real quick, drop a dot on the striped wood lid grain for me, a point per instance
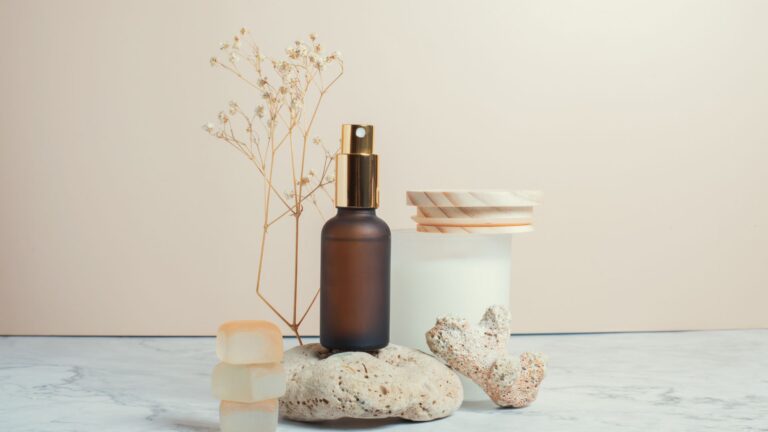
(479, 211)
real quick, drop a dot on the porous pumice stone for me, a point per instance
(480, 352)
(392, 382)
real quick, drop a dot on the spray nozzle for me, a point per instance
(357, 139)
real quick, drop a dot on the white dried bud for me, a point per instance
(233, 57)
(233, 107)
(214, 61)
(313, 37)
(209, 127)
(317, 140)
(296, 105)
(311, 173)
(223, 118)
(329, 178)
(260, 111)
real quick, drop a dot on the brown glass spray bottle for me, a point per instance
(355, 248)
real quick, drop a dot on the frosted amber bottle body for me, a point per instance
(354, 281)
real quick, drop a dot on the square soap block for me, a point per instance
(248, 417)
(248, 342)
(248, 383)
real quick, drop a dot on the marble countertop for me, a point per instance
(676, 381)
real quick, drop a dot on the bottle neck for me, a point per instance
(355, 212)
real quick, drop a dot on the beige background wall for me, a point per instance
(644, 123)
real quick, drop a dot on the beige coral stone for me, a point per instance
(392, 382)
(480, 353)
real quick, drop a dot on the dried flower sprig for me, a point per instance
(291, 91)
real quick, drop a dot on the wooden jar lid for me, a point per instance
(466, 211)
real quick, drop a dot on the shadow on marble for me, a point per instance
(347, 423)
(186, 425)
(480, 406)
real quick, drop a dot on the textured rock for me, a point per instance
(480, 353)
(392, 382)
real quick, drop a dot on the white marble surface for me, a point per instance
(686, 381)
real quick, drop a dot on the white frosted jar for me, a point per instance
(437, 274)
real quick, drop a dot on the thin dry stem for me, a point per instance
(283, 109)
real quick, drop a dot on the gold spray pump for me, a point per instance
(357, 168)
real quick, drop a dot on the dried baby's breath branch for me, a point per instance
(326, 180)
(317, 207)
(241, 147)
(314, 298)
(283, 86)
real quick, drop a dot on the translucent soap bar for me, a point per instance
(248, 342)
(248, 383)
(248, 417)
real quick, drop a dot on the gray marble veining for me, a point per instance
(679, 381)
